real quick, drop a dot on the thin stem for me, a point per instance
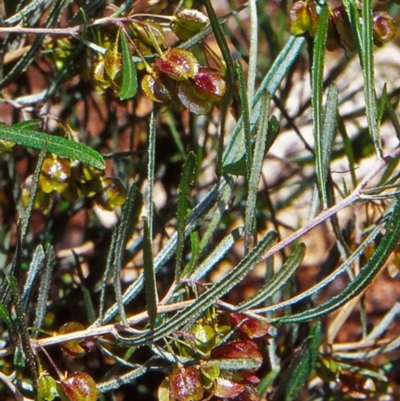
(41, 31)
(73, 30)
(355, 196)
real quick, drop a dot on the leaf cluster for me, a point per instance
(162, 202)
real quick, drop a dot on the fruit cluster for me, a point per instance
(169, 75)
(304, 19)
(226, 363)
(73, 180)
(178, 78)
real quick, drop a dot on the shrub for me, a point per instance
(188, 194)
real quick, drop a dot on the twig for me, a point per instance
(107, 329)
(73, 30)
(41, 31)
(355, 196)
(360, 345)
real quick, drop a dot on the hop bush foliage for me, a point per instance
(174, 177)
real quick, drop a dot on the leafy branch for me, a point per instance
(179, 262)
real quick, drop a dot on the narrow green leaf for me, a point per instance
(329, 130)
(245, 117)
(382, 103)
(34, 268)
(195, 250)
(348, 148)
(386, 106)
(299, 370)
(55, 144)
(23, 62)
(255, 173)
(44, 289)
(267, 381)
(5, 240)
(355, 23)
(126, 216)
(279, 280)
(35, 185)
(230, 75)
(363, 33)
(273, 131)
(149, 275)
(120, 241)
(218, 253)
(240, 167)
(107, 270)
(23, 328)
(129, 77)
(367, 58)
(126, 378)
(235, 149)
(306, 363)
(86, 295)
(367, 371)
(5, 316)
(176, 135)
(317, 79)
(123, 8)
(185, 186)
(25, 13)
(28, 124)
(368, 272)
(221, 39)
(5, 294)
(223, 203)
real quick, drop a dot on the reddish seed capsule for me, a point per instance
(342, 28)
(190, 97)
(155, 89)
(185, 384)
(148, 37)
(112, 195)
(42, 199)
(188, 23)
(303, 18)
(210, 83)
(78, 386)
(179, 64)
(227, 388)
(384, 27)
